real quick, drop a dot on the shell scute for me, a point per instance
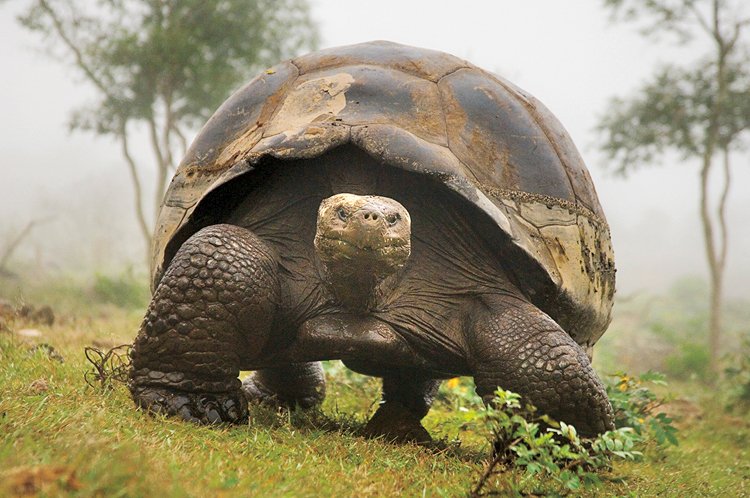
(428, 64)
(491, 132)
(434, 114)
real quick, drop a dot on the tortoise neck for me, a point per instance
(358, 288)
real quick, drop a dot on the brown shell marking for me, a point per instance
(427, 112)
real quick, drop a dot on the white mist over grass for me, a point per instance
(567, 54)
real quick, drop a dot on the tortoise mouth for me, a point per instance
(384, 257)
(365, 247)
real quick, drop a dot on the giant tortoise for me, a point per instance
(393, 207)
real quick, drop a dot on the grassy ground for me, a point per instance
(59, 436)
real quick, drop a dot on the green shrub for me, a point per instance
(553, 458)
(635, 405)
(736, 382)
(689, 361)
(124, 290)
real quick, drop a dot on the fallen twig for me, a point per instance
(108, 367)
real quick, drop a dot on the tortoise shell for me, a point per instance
(431, 113)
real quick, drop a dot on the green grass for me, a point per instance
(58, 436)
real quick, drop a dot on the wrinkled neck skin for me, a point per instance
(357, 286)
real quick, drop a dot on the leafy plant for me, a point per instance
(635, 405)
(547, 449)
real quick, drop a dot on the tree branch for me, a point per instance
(77, 53)
(161, 165)
(702, 21)
(183, 141)
(167, 129)
(11, 248)
(723, 229)
(137, 190)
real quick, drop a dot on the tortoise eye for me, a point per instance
(393, 218)
(342, 213)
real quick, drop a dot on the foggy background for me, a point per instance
(567, 54)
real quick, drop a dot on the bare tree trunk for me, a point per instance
(162, 167)
(181, 137)
(718, 265)
(714, 319)
(167, 131)
(716, 250)
(11, 248)
(143, 223)
(102, 85)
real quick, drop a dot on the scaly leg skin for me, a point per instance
(298, 384)
(407, 398)
(214, 305)
(516, 346)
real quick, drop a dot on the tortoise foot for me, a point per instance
(395, 423)
(296, 385)
(202, 408)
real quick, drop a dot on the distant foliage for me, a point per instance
(635, 406)
(667, 332)
(163, 67)
(699, 110)
(124, 290)
(685, 328)
(736, 384)
(689, 360)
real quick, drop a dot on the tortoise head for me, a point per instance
(361, 241)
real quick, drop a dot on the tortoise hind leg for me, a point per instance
(213, 307)
(514, 345)
(407, 397)
(296, 384)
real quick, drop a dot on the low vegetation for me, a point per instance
(62, 435)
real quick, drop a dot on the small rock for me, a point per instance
(683, 411)
(44, 316)
(39, 386)
(50, 351)
(6, 308)
(25, 310)
(49, 480)
(7, 315)
(29, 333)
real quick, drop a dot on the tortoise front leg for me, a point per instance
(514, 345)
(213, 307)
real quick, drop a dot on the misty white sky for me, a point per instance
(567, 54)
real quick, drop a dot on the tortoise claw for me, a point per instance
(202, 408)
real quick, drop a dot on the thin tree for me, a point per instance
(14, 243)
(163, 66)
(701, 111)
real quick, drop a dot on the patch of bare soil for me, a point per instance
(46, 479)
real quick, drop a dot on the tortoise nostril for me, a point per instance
(369, 215)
